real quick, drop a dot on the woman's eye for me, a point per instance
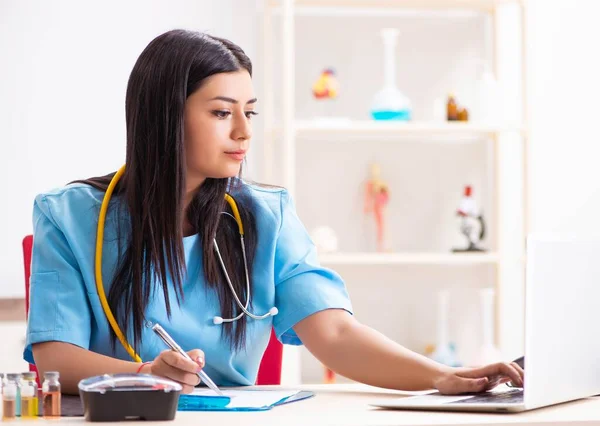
(221, 114)
(249, 114)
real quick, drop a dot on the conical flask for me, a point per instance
(390, 103)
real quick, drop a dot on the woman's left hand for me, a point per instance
(471, 380)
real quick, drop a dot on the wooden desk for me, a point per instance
(348, 405)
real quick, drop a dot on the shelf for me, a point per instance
(370, 127)
(408, 258)
(386, 5)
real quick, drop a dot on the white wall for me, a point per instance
(564, 89)
(64, 70)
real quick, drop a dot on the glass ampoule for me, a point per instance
(11, 397)
(51, 395)
(29, 395)
(1, 386)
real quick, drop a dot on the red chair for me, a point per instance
(269, 372)
(27, 245)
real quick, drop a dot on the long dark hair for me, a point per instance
(171, 68)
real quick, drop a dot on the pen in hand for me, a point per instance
(174, 346)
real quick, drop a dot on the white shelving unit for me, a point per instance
(509, 196)
(397, 129)
(366, 259)
(378, 7)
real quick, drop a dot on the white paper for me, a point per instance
(249, 398)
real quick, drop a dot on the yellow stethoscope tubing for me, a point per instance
(236, 213)
(98, 258)
(98, 267)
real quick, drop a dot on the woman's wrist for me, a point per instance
(440, 372)
(144, 368)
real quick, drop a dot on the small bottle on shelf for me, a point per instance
(452, 108)
(51, 394)
(29, 395)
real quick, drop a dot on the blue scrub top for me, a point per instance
(64, 304)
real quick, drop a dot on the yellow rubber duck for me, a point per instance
(326, 86)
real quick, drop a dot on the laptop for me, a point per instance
(562, 348)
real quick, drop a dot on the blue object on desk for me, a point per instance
(221, 403)
(203, 403)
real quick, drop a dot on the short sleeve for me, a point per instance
(59, 309)
(302, 286)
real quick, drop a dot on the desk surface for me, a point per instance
(349, 405)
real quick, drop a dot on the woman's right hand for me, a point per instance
(173, 366)
(455, 381)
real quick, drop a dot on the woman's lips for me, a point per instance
(236, 155)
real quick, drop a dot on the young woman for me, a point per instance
(189, 108)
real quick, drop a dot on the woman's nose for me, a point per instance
(242, 129)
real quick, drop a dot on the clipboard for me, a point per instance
(222, 403)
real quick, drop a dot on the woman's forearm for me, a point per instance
(365, 355)
(75, 363)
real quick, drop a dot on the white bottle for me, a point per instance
(488, 352)
(444, 353)
(488, 108)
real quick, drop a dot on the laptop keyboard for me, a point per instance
(514, 396)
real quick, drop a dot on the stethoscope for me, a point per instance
(216, 320)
